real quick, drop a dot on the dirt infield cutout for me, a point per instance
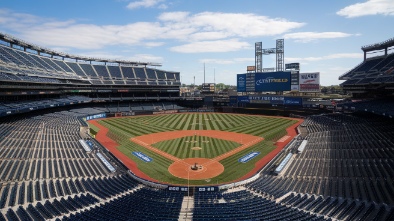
(208, 168)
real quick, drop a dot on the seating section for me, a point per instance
(102, 71)
(41, 160)
(140, 107)
(243, 205)
(18, 65)
(374, 70)
(115, 72)
(383, 107)
(144, 204)
(345, 171)
(14, 107)
(346, 157)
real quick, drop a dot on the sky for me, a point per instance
(187, 35)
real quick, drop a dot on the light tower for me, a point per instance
(258, 60)
(279, 50)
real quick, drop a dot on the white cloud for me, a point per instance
(173, 16)
(228, 61)
(327, 57)
(212, 46)
(153, 44)
(229, 24)
(101, 54)
(190, 33)
(305, 37)
(146, 58)
(370, 7)
(146, 4)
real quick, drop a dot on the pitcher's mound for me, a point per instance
(207, 168)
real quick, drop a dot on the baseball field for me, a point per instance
(194, 148)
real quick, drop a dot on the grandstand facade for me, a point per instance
(30, 72)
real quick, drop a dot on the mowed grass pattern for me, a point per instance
(196, 147)
(122, 129)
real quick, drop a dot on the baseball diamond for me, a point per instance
(223, 140)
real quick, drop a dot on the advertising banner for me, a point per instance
(233, 100)
(250, 68)
(266, 99)
(96, 116)
(310, 82)
(178, 188)
(295, 66)
(293, 101)
(241, 82)
(243, 99)
(310, 78)
(142, 156)
(309, 88)
(295, 82)
(295, 87)
(207, 189)
(248, 157)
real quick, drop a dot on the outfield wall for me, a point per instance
(270, 110)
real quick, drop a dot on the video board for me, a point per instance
(264, 81)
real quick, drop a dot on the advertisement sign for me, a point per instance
(241, 82)
(207, 189)
(250, 82)
(266, 99)
(243, 99)
(96, 116)
(248, 157)
(310, 82)
(250, 68)
(309, 88)
(310, 78)
(178, 188)
(295, 66)
(272, 81)
(260, 101)
(142, 156)
(295, 81)
(293, 101)
(233, 100)
(295, 87)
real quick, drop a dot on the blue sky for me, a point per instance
(323, 35)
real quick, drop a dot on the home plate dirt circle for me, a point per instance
(207, 168)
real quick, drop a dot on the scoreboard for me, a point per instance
(278, 81)
(208, 88)
(264, 81)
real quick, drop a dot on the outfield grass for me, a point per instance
(122, 129)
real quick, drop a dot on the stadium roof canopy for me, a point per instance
(378, 46)
(15, 41)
